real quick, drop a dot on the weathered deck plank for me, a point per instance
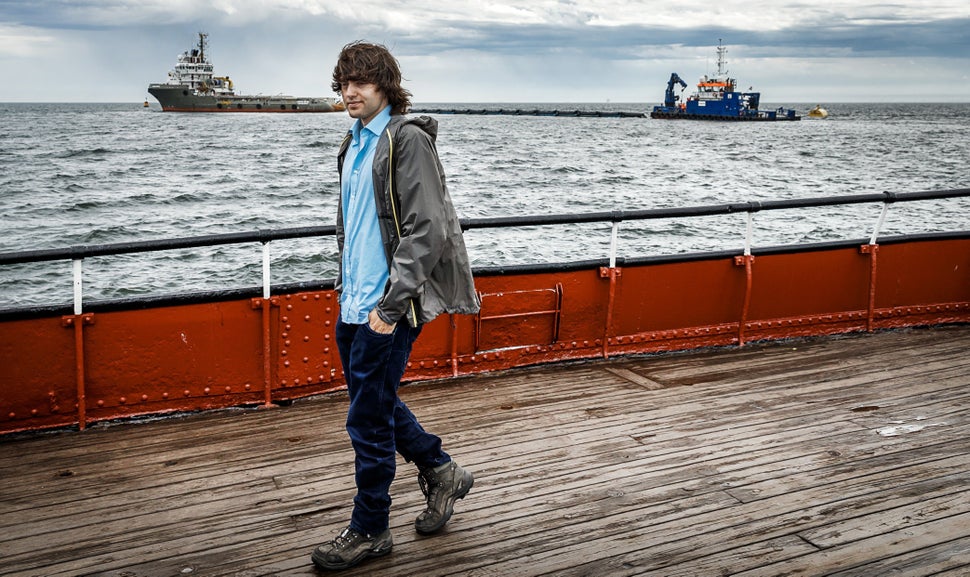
(839, 456)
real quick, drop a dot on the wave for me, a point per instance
(81, 153)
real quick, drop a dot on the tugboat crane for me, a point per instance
(670, 99)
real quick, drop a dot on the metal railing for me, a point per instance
(77, 254)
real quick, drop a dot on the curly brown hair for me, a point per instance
(362, 61)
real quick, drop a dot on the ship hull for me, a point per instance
(180, 98)
(671, 113)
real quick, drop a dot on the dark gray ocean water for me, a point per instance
(74, 174)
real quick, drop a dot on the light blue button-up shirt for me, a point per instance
(364, 266)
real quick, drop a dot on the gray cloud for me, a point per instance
(104, 48)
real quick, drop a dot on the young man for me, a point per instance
(402, 263)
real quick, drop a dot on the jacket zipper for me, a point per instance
(397, 222)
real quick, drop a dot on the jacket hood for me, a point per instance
(425, 123)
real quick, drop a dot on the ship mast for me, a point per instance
(722, 73)
(203, 44)
(721, 62)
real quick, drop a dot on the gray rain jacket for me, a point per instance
(423, 243)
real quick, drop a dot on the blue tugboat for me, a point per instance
(716, 99)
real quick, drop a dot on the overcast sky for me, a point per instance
(496, 51)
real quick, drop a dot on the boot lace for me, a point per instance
(429, 484)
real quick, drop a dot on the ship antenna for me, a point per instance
(721, 62)
(202, 46)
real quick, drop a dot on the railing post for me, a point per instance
(872, 249)
(454, 345)
(267, 332)
(77, 322)
(747, 261)
(612, 273)
(77, 269)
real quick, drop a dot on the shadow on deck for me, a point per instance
(841, 455)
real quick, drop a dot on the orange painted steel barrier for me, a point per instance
(211, 355)
(72, 370)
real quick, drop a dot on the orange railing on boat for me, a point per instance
(71, 365)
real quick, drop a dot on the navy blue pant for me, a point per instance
(378, 422)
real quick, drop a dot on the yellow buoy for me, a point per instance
(818, 112)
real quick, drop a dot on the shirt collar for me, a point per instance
(376, 126)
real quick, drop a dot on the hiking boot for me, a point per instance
(350, 548)
(442, 485)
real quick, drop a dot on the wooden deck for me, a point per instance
(835, 456)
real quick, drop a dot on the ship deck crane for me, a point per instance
(670, 99)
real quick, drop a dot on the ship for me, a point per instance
(716, 99)
(192, 86)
